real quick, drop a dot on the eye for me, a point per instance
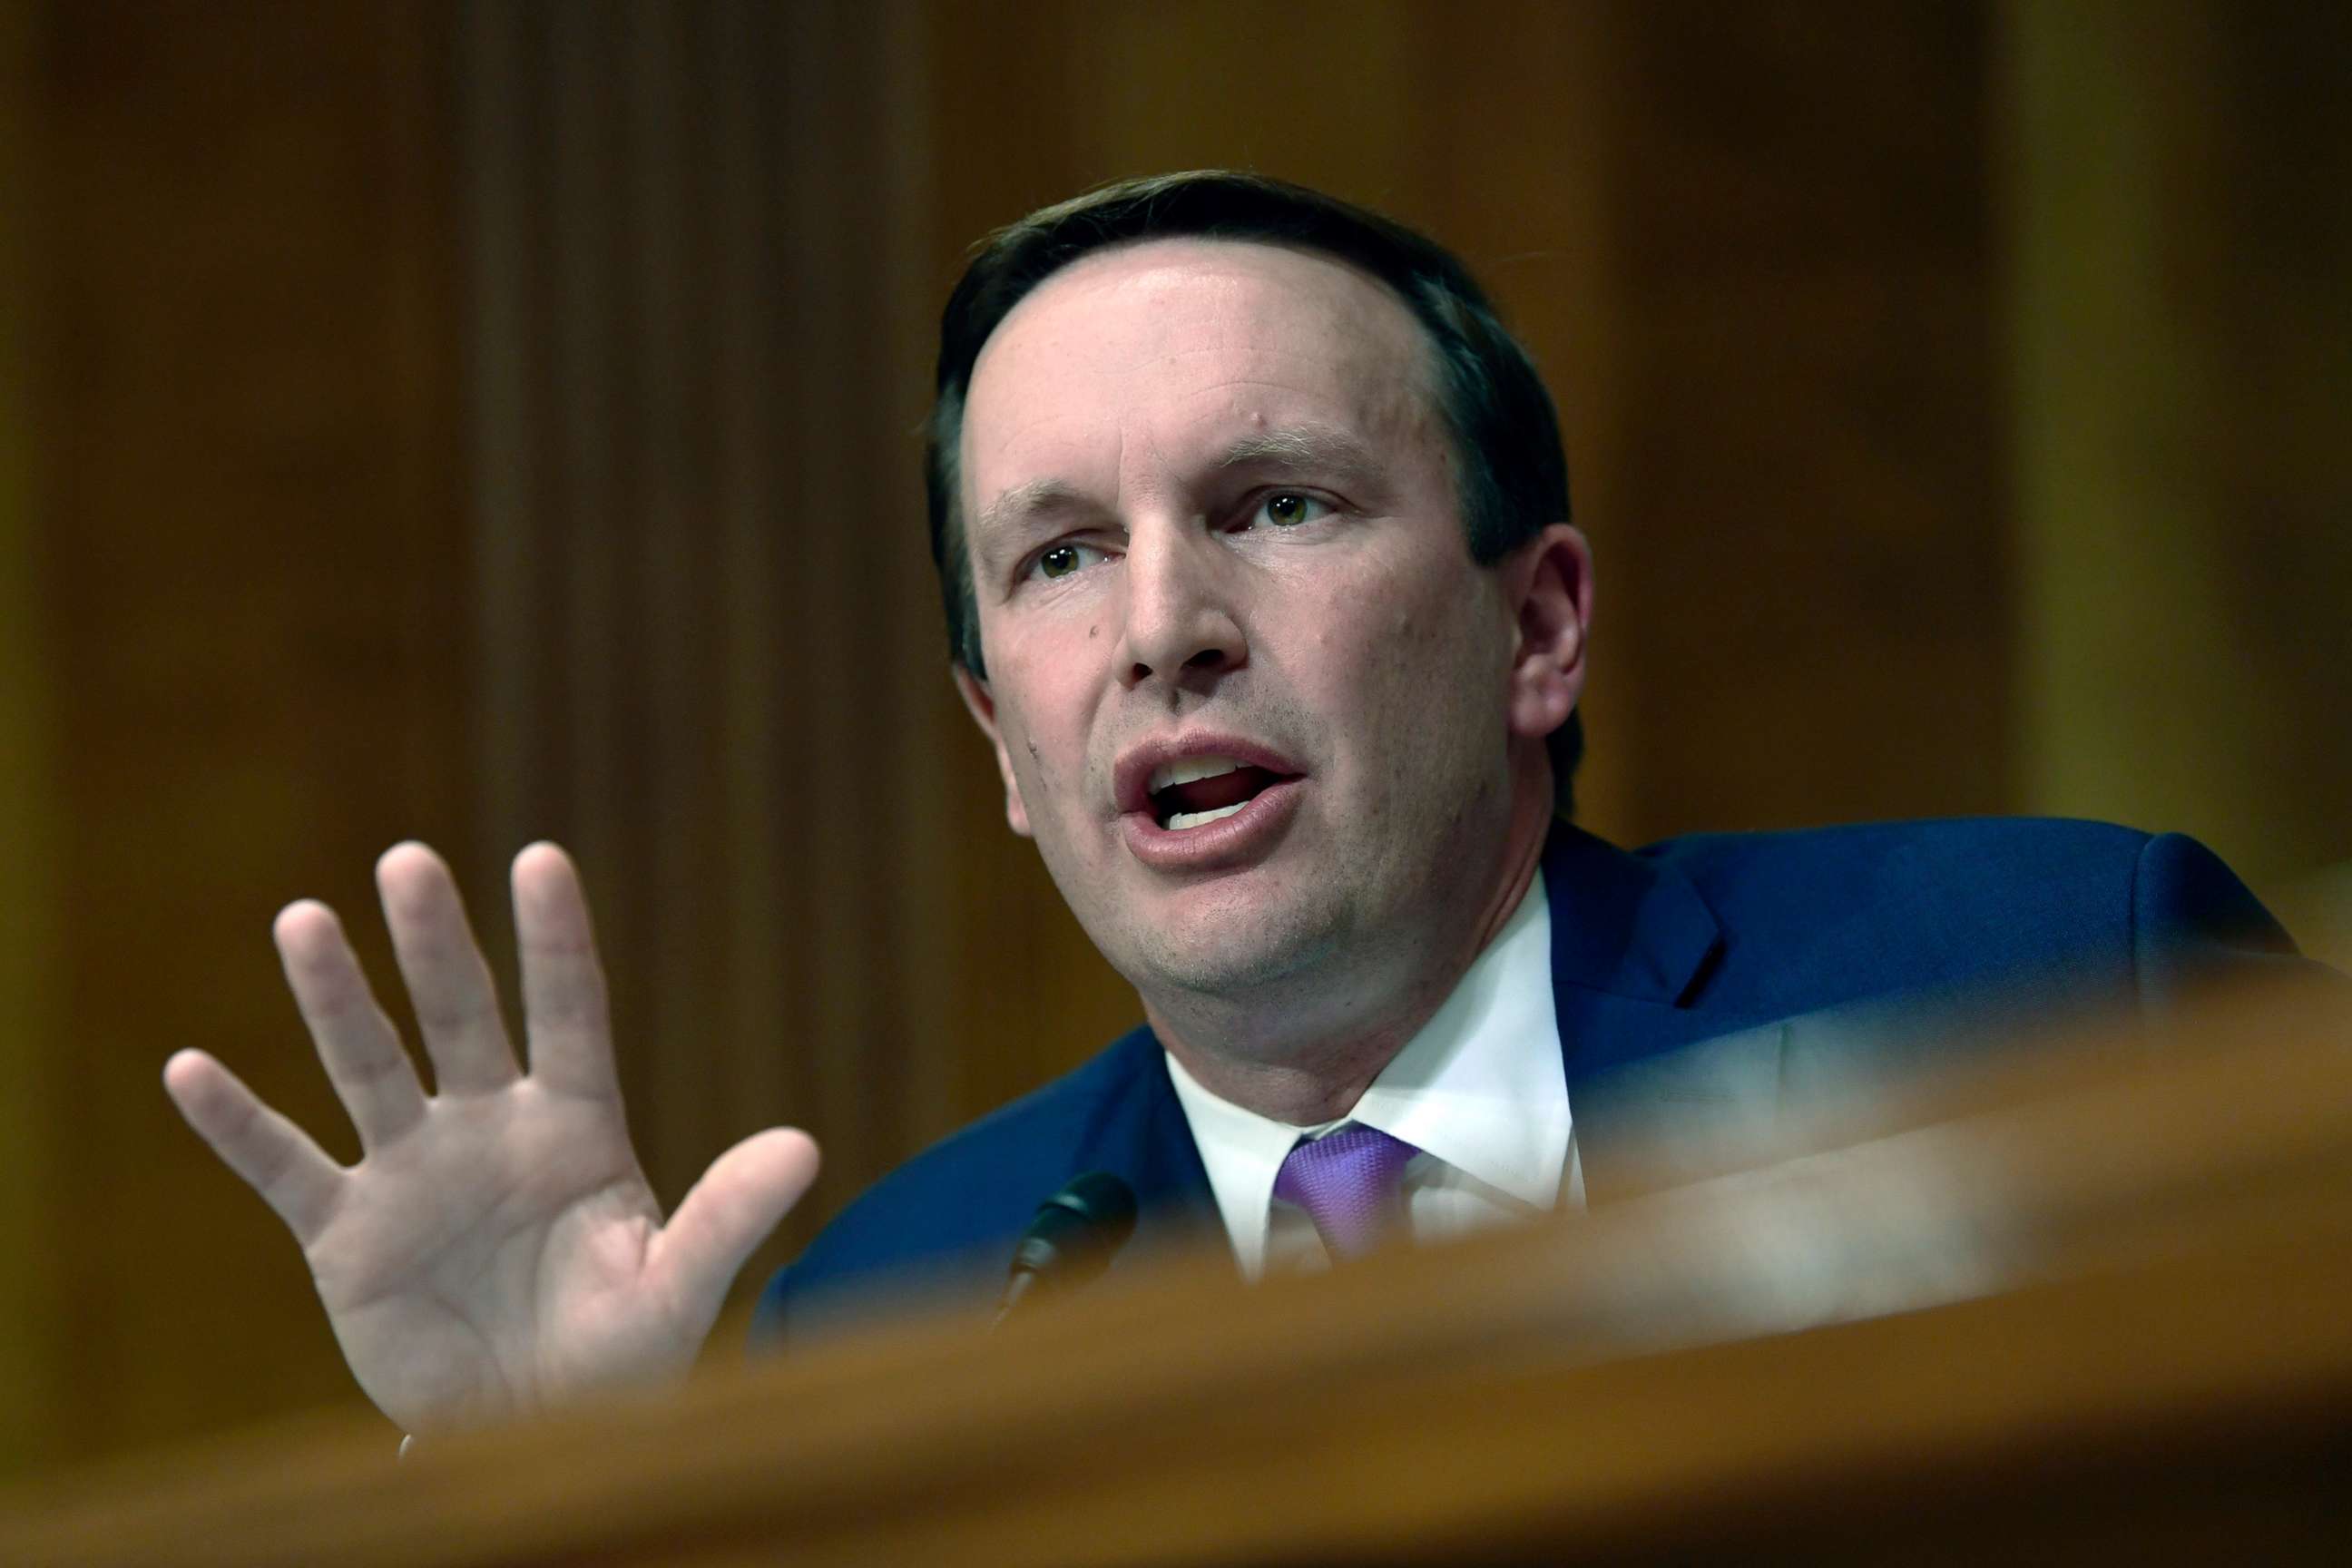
(1061, 560)
(1288, 509)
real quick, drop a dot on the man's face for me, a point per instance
(1212, 520)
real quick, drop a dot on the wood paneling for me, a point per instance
(2180, 388)
(1798, 500)
(253, 627)
(31, 1223)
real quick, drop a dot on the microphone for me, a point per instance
(1071, 1238)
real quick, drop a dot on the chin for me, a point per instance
(1225, 955)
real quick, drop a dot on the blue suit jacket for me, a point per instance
(1681, 974)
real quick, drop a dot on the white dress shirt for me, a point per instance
(1480, 1091)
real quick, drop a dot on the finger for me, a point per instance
(357, 1043)
(273, 1157)
(448, 985)
(740, 1200)
(564, 1003)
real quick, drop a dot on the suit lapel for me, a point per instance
(1654, 1081)
(1622, 925)
(1142, 1136)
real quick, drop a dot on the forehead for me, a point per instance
(1172, 341)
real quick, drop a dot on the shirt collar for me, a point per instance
(1481, 1087)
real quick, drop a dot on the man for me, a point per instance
(1252, 525)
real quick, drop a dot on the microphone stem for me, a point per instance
(1014, 1288)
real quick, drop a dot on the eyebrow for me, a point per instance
(1017, 515)
(1324, 448)
(1321, 448)
(1032, 499)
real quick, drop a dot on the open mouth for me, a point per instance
(1202, 789)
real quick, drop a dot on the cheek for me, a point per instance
(1043, 708)
(1030, 751)
(1417, 665)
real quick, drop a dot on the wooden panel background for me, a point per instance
(2181, 376)
(30, 1220)
(247, 530)
(484, 421)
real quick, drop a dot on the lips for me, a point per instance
(1193, 776)
(1204, 803)
(1189, 794)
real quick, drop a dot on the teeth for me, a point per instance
(1187, 771)
(1184, 819)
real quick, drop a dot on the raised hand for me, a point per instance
(497, 1247)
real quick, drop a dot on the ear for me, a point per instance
(982, 708)
(1550, 583)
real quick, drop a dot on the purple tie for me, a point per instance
(1347, 1183)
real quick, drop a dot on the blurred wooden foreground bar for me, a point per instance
(2098, 1299)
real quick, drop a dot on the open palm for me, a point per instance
(497, 1247)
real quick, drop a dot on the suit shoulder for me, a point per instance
(1819, 915)
(1978, 848)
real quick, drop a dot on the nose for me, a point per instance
(1182, 620)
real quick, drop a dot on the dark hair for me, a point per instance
(1511, 467)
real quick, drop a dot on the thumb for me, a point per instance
(743, 1195)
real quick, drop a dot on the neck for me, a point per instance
(1307, 1055)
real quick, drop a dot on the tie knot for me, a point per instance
(1348, 1183)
